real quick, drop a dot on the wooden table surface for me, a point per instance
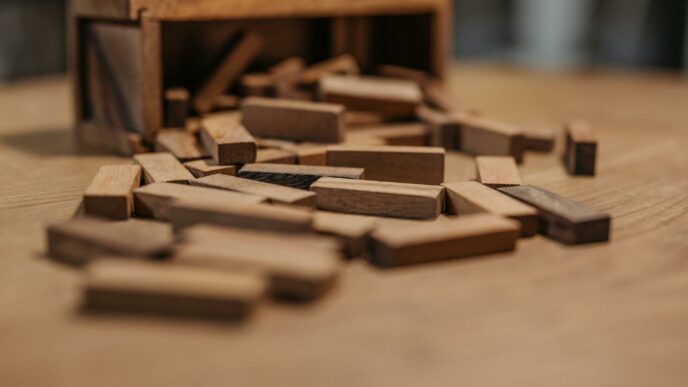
(611, 314)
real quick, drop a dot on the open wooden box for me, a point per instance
(124, 53)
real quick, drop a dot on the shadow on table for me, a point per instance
(46, 142)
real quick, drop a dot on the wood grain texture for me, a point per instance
(483, 136)
(162, 167)
(202, 168)
(182, 144)
(228, 142)
(497, 171)
(386, 95)
(580, 152)
(296, 176)
(273, 192)
(110, 193)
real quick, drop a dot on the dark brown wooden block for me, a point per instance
(296, 176)
(177, 106)
(539, 140)
(581, 149)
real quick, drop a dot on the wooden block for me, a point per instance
(272, 143)
(444, 132)
(182, 144)
(201, 168)
(257, 84)
(177, 105)
(470, 197)
(395, 71)
(227, 140)
(353, 230)
(79, 240)
(293, 120)
(464, 236)
(482, 136)
(296, 176)
(386, 95)
(409, 134)
(136, 144)
(162, 167)
(363, 118)
(563, 219)
(343, 64)
(403, 164)
(436, 96)
(356, 139)
(273, 192)
(168, 289)
(232, 65)
(193, 125)
(275, 156)
(379, 198)
(497, 171)
(310, 154)
(539, 140)
(110, 193)
(157, 199)
(226, 102)
(287, 71)
(581, 149)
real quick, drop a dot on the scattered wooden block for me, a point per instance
(401, 72)
(177, 105)
(311, 154)
(343, 64)
(273, 192)
(497, 171)
(193, 125)
(408, 134)
(164, 288)
(581, 149)
(353, 230)
(182, 144)
(293, 120)
(136, 144)
(464, 236)
(287, 71)
(227, 140)
(363, 118)
(201, 168)
(390, 96)
(378, 198)
(403, 164)
(296, 176)
(275, 156)
(469, 197)
(157, 199)
(111, 192)
(162, 167)
(226, 102)
(257, 84)
(444, 132)
(563, 219)
(79, 240)
(436, 96)
(481, 136)
(233, 64)
(357, 139)
(272, 143)
(540, 140)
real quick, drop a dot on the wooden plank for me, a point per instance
(539, 139)
(482, 136)
(343, 64)
(465, 236)
(162, 167)
(378, 198)
(408, 134)
(79, 240)
(353, 230)
(444, 132)
(275, 156)
(201, 168)
(391, 96)
(273, 192)
(293, 120)
(296, 176)
(563, 219)
(497, 171)
(182, 144)
(177, 106)
(168, 289)
(403, 164)
(110, 193)
(232, 65)
(580, 153)
(156, 199)
(228, 141)
(469, 197)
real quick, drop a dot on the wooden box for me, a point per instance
(124, 53)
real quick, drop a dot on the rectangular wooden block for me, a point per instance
(378, 198)
(162, 167)
(402, 164)
(563, 219)
(469, 197)
(539, 140)
(182, 144)
(293, 120)
(177, 106)
(343, 64)
(227, 140)
(111, 192)
(169, 289)
(79, 240)
(444, 132)
(391, 96)
(581, 149)
(464, 236)
(403, 134)
(273, 192)
(353, 230)
(481, 136)
(310, 154)
(296, 176)
(207, 167)
(157, 199)
(497, 171)
(275, 156)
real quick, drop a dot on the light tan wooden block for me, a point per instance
(402, 164)
(296, 176)
(162, 167)
(201, 168)
(464, 236)
(157, 199)
(343, 64)
(177, 106)
(408, 134)
(386, 95)
(379, 198)
(310, 154)
(111, 192)
(470, 197)
(273, 192)
(275, 156)
(165, 288)
(227, 140)
(497, 171)
(482, 136)
(293, 120)
(362, 118)
(182, 144)
(352, 230)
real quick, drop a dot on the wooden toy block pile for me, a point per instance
(269, 191)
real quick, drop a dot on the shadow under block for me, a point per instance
(497, 171)
(293, 120)
(581, 149)
(390, 96)
(227, 140)
(404, 134)
(177, 106)
(471, 197)
(110, 194)
(202, 168)
(157, 199)
(162, 167)
(464, 236)
(79, 240)
(481, 136)
(273, 192)
(563, 219)
(182, 144)
(353, 230)
(401, 164)
(169, 289)
(296, 176)
(379, 198)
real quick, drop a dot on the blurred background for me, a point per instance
(542, 34)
